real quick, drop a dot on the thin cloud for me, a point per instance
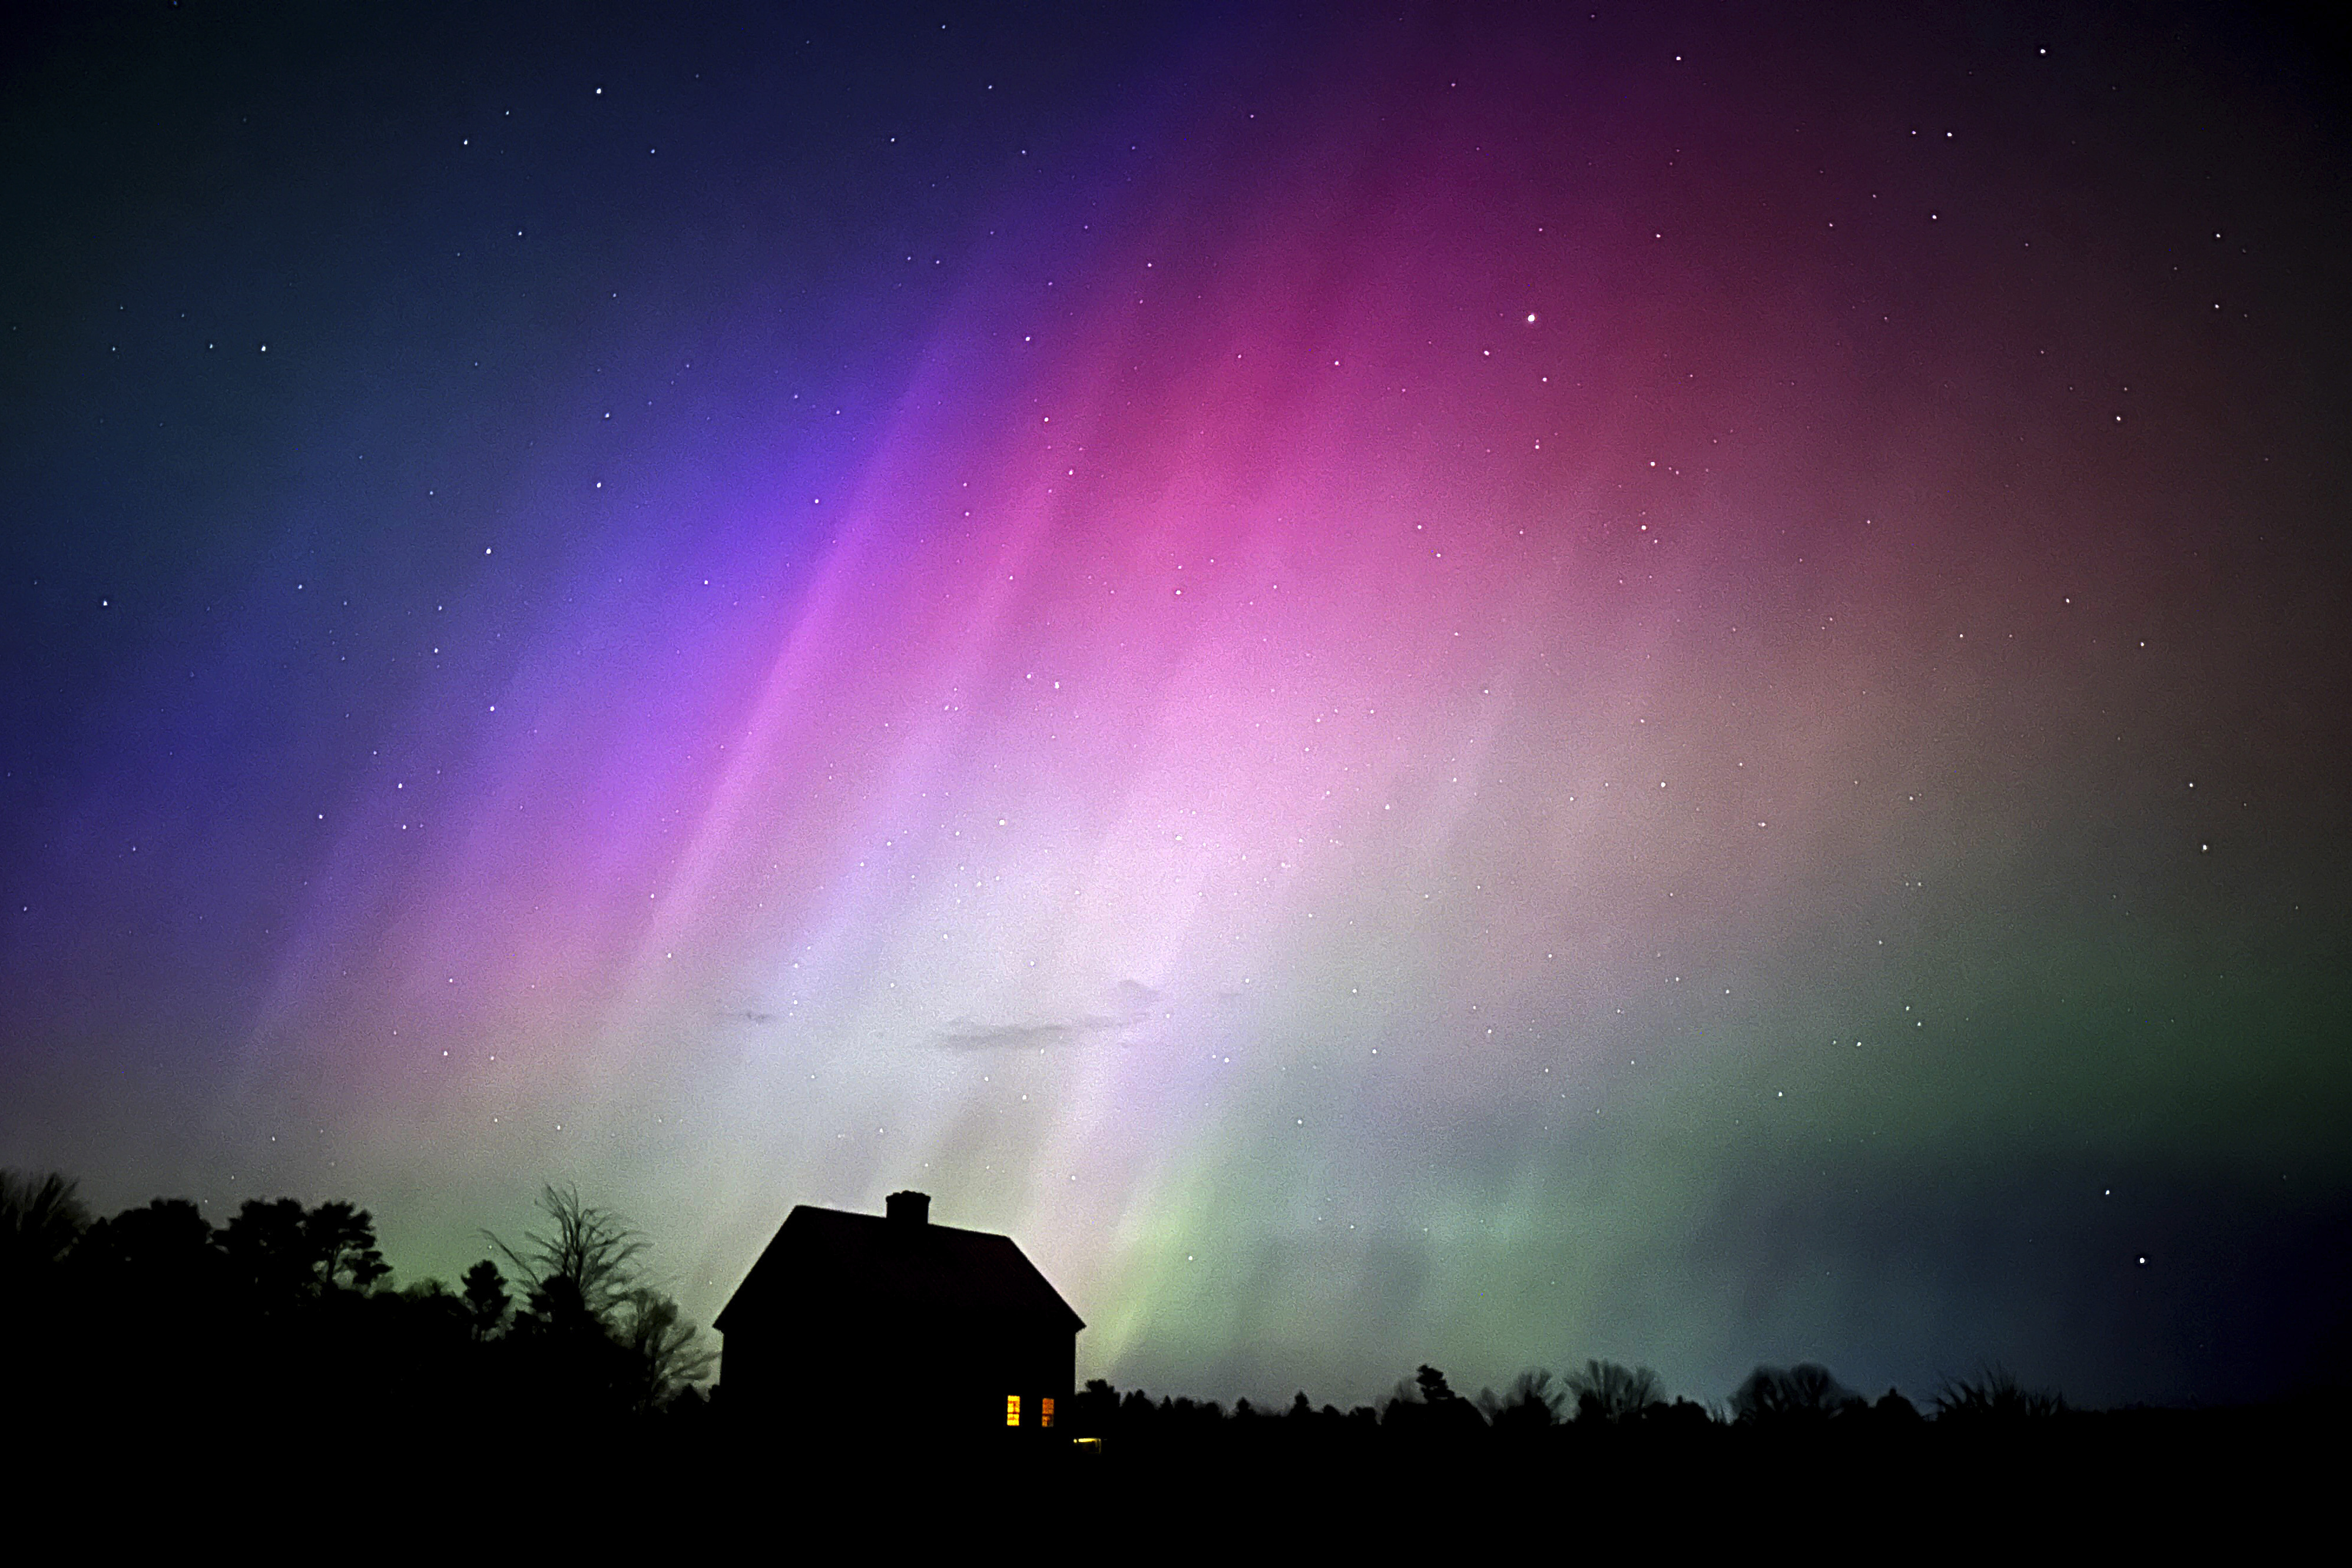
(964, 1034)
(1132, 1003)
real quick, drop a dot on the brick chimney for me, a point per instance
(908, 1208)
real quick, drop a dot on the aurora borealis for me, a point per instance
(1485, 687)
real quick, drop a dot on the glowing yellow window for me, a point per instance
(1012, 1409)
(1046, 1411)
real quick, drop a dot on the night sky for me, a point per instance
(1484, 687)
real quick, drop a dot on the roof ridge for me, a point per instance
(865, 1262)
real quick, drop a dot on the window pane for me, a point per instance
(1012, 1409)
(1046, 1411)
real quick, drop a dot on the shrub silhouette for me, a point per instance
(1994, 1394)
(1891, 1409)
(41, 1220)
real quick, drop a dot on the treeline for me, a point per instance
(285, 1320)
(156, 1317)
(1601, 1401)
(157, 1310)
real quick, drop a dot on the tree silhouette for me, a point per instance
(40, 1219)
(287, 1253)
(1094, 1412)
(669, 1349)
(153, 1287)
(1429, 1408)
(41, 1224)
(163, 1246)
(340, 1240)
(1609, 1393)
(265, 1247)
(1806, 1392)
(487, 1303)
(237, 1329)
(426, 1310)
(1531, 1406)
(585, 1260)
(556, 1309)
(594, 1334)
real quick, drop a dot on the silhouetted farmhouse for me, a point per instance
(854, 1322)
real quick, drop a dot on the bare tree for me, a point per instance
(1610, 1392)
(1531, 1405)
(593, 1325)
(585, 1260)
(670, 1356)
(1805, 1392)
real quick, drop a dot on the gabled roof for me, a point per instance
(863, 1263)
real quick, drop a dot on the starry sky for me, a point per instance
(1473, 684)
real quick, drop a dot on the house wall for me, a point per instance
(807, 1377)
